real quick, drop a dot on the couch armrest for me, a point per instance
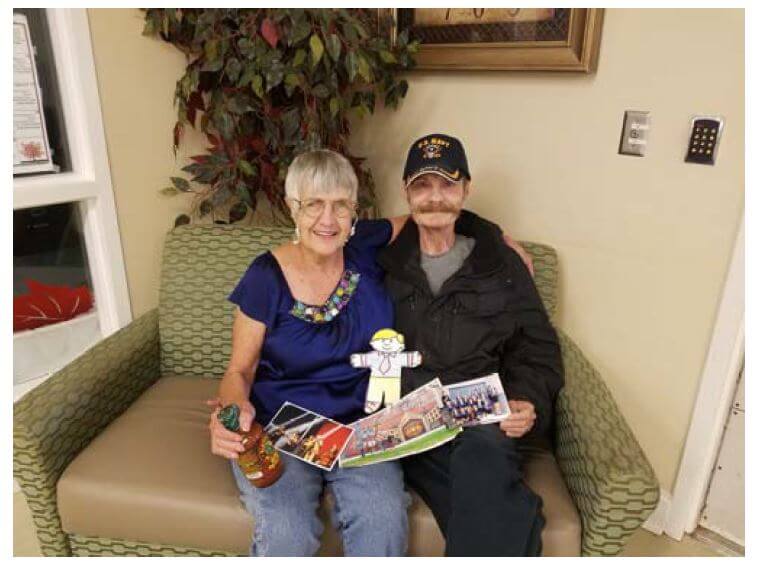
(56, 420)
(608, 475)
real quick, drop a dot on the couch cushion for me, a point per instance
(200, 267)
(150, 476)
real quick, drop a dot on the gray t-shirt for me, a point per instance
(439, 268)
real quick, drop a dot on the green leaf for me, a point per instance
(211, 49)
(300, 57)
(361, 31)
(246, 77)
(225, 125)
(169, 191)
(361, 110)
(257, 83)
(349, 30)
(292, 79)
(321, 91)
(334, 46)
(291, 123)
(351, 66)
(387, 57)
(150, 26)
(317, 48)
(274, 77)
(364, 70)
(246, 47)
(300, 31)
(181, 183)
(334, 106)
(246, 168)
(213, 66)
(232, 69)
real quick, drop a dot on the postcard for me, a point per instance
(308, 436)
(478, 401)
(414, 424)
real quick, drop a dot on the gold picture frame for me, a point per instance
(531, 41)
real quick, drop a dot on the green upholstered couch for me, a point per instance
(65, 429)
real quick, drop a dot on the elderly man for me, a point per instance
(467, 302)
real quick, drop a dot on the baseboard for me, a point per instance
(657, 521)
(719, 543)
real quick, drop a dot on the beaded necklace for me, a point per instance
(335, 303)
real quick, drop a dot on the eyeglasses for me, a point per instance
(342, 208)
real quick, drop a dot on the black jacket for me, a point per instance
(487, 317)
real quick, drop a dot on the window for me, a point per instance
(69, 281)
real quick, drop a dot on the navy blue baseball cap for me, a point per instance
(436, 153)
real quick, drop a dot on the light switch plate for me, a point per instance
(703, 139)
(635, 133)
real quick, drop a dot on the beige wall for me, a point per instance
(136, 79)
(644, 243)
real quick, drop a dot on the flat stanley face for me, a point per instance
(387, 345)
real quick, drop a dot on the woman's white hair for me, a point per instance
(320, 171)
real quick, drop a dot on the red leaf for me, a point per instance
(257, 144)
(269, 32)
(48, 304)
(267, 171)
(194, 103)
(213, 139)
(177, 134)
(199, 158)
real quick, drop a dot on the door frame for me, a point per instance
(717, 386)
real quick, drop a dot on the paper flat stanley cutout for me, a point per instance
(386, 362)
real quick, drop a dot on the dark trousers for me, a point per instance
(474, 487)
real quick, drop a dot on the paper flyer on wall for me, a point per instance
(424, 419)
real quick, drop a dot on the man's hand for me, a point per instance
(521, 420)
(521, 252)
(224, 442)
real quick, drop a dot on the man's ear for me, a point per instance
(467, 187)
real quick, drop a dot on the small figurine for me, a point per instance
(259, 462)
(386, 362)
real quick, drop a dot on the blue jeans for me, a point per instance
(370, 509)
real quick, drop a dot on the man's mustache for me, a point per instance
(435, 207)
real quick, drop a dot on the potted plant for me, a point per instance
(265, 84)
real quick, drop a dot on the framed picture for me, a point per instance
(554, 39)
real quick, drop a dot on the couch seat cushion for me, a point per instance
(150, 476)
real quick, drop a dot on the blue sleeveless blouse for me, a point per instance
(308, 363)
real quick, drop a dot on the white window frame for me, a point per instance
(89, 181)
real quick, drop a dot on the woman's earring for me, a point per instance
(296, 239)
(353, 228)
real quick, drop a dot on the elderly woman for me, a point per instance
(303, 309)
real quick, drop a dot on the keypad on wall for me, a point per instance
(704, 138)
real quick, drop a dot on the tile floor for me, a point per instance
(641, 544)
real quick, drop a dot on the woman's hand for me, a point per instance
(247, 340)
(226, 443)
